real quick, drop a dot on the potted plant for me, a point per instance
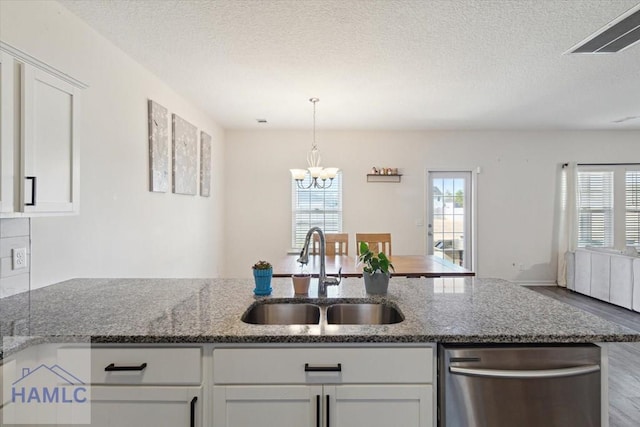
(262, 273)
(301, 281)
(375, 271)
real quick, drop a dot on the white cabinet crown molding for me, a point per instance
(25, 57)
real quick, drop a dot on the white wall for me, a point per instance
(516, 189)
(123, 230)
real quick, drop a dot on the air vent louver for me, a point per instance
(620, 34)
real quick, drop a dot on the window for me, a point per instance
(595, 209)
(632, 213)
(315, 208)
(608, 202)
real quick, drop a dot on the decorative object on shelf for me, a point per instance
(205, 164)
(383, 171)
(262, 273)
(158, 148)
(376, 270)
(185, 156)
(313, 160)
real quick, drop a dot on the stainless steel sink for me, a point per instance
(282, 314)
(363, 314)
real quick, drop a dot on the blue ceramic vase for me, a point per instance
(263, 281)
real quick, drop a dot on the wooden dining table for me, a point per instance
(405, 265)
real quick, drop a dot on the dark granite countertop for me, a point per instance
(209, 310)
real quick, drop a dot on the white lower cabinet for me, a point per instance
(323, 387)
(344, 405)
(209, 386)
(146, 387)
(241, 406)
(146, 406)
(380, 405)
(129, 386)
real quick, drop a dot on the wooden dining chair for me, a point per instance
(336, 244)
(378, 242)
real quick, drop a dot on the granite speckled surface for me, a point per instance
(209, 311)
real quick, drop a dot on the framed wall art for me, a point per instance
(205, 164)
(158, 148)
(185, 156)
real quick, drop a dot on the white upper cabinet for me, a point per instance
(7, 136)
(40, 147)
(50, 182)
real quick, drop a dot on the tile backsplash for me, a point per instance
(14, 234)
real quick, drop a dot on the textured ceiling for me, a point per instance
(447, 64)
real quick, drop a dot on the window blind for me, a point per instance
(315, 208)
(632, 214)
(595, 208)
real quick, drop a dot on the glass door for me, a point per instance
(449, 216)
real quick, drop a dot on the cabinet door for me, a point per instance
(146, 406)
(7, 135)
(143, 407)
(50, 183)
(250, 406)
(379, 405)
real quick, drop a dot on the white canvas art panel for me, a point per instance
(158, 148)
(185, 157)
(205, 164)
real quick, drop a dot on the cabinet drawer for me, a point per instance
(305, 365)
(146, 366)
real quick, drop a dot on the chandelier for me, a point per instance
(316, 171)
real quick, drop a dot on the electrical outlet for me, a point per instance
(19, 258)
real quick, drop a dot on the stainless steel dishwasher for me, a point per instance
(508, 386)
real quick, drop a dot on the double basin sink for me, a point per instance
(303, 313)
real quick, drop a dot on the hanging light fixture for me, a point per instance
(316, 171)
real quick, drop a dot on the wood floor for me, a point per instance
(624, 358)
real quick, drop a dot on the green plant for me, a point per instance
(261, 265)
(373, 263)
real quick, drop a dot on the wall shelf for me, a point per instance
(383, 178)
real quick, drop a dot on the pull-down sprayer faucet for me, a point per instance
(323, 280)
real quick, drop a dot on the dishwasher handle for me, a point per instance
(526, 374)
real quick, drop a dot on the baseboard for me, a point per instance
(535, 283)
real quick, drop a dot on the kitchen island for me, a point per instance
(453, 310)
(189, 358)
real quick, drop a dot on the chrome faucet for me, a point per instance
(323, 280)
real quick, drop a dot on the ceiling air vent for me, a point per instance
(619, 34)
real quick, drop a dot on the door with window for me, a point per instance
(449, 214)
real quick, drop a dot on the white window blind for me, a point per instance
(632, 213)
(595, 208)
(315, 208)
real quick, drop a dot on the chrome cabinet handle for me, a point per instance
(542, 373)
